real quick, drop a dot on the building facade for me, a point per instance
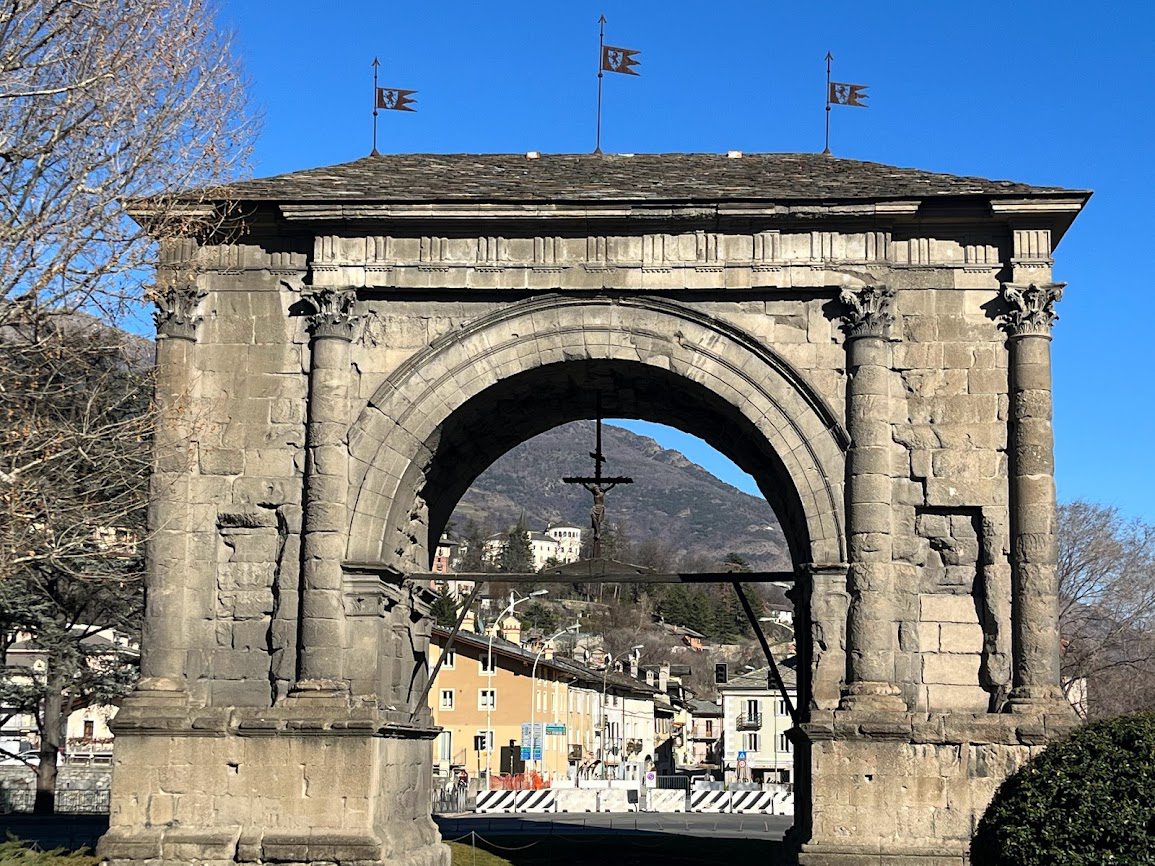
(756, 746)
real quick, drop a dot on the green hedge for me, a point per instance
(16, 852)
(1088, 800)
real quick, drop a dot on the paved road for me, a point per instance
(699, 824)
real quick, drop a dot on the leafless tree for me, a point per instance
(1107, 608)
(103, 102)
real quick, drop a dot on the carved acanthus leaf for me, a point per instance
(867, 312)
(333, 313)
(1031, 308)
(176, 309)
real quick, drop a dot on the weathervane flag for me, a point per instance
(394, 99)
(619, 60)
(847, 94)
(610, 59)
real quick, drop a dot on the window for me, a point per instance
(483, 741)
(487, 699)
(750, 742)
(88, 730)
(450, 661)
(445, 747)
(782, 711)
(488, 665)
(447, 699)
(783, 743)
(753, 708)
(709, 727)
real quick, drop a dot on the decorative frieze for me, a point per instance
(867, 311)
(1031, 308)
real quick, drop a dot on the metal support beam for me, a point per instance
(775, 674)
(445, 650)
(608, 577)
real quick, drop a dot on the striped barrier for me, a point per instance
(710, 801)
(659, 800)
(496, 801)
(784, 804)
(761, 802)
(577, 800)
(543, 800)
(614, 800)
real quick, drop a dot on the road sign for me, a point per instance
(651, 777)
(555, 730)
(742, 756)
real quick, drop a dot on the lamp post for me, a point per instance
(636, 652)
(605, 716)
(513, 602)
(533, 697)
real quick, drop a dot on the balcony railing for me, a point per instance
(750, 722)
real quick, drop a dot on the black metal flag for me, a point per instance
(847, 94)
(394, 99)
(619, 60)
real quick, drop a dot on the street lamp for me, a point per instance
(533, 696)
(513, 602)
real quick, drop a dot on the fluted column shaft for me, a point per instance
(164, 638)
(872, 622)
(1034, 511)
(322, 611)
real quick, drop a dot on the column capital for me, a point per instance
(867, 311)
(332, 313)
(176, 310)
(1031, 308)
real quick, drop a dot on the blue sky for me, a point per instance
(1041, 92)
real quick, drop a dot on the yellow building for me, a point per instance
(484, 709)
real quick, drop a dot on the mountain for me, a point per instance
(693, 515)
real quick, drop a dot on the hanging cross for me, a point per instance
(598, 486)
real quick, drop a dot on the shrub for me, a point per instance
(16, 852)
(1088, 800)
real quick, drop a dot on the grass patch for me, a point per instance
(15, 852)
(465, 855)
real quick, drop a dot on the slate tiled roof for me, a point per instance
(616, 177)
(758, 679)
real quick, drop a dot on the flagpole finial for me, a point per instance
(602, 19)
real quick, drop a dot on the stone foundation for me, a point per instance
(286, 786)
(910, 789)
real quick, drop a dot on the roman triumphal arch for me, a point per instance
(343, 353)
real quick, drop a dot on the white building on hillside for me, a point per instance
(569, 539)
(561, 544)
(755, 721)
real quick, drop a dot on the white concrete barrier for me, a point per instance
(614, 801)
(662, 800)
(761, 802)
(784, 804)
(577, 800)
(544, 800)
(496, 801)
(710, 801)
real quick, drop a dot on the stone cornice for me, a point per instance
(176, 310)
(333, 314)
(1031, 308)
(867, 311)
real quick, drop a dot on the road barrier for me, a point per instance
(544, 800)
(761, 802)
(614, 801)
(496, 801)
(665, 800)
(784, 804)
(577, 800)
(710, 801)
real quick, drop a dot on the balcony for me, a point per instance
(750, 722)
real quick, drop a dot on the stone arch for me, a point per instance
(447, 413)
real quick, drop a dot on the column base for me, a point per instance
(872, 698)
(847, 855)
(1039, 701)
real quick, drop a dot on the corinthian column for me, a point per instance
(872, 624)
(164, 639)
(1034, 545)
(322, 633)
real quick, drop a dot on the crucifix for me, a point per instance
(598, 486)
